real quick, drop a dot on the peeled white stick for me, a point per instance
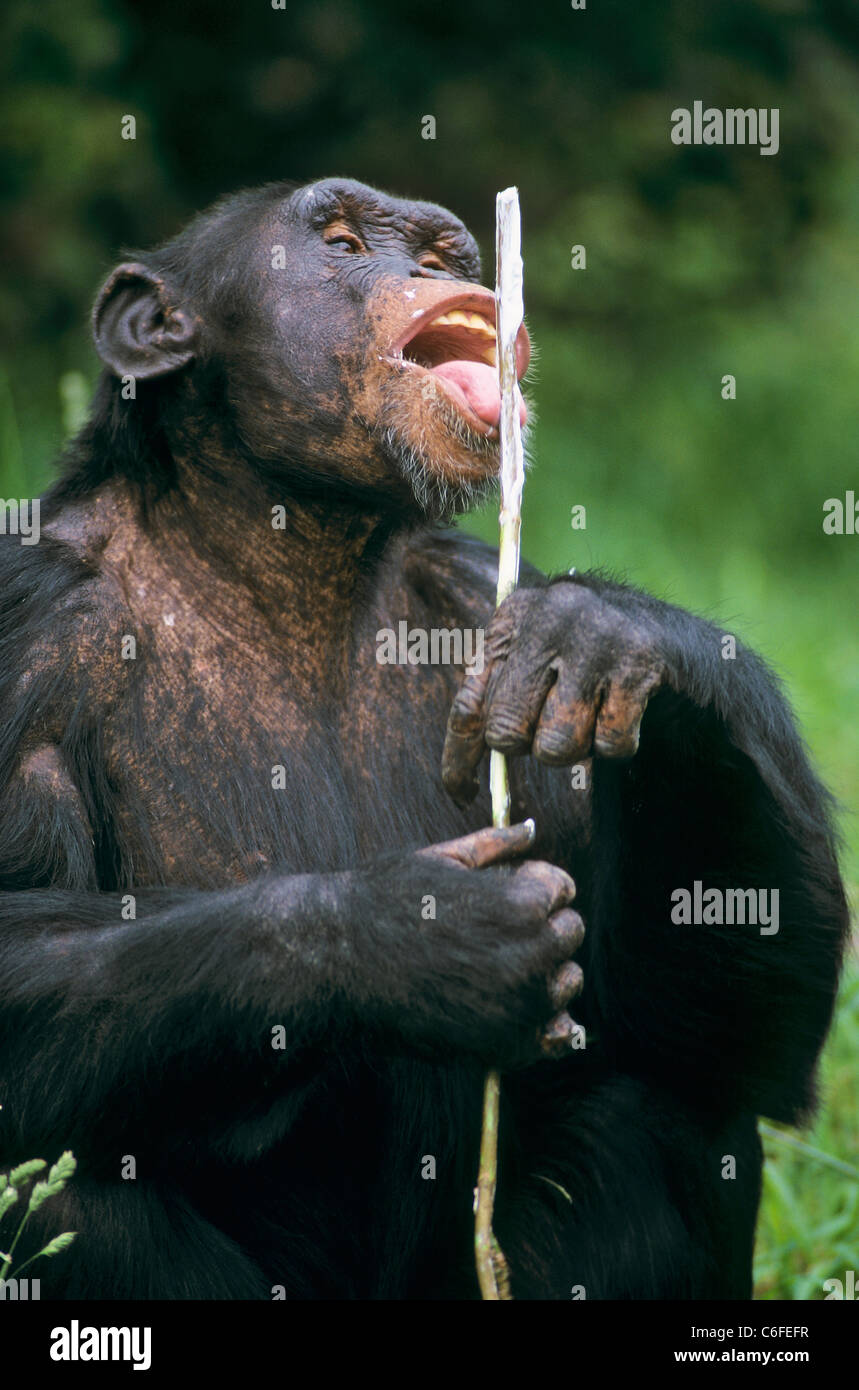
(492, 1270)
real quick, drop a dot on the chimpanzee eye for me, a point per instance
(341, 236)
(432, 262)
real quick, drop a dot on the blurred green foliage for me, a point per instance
(700, 262)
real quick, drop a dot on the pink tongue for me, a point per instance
(478, 382)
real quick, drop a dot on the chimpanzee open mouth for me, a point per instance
(455, 343)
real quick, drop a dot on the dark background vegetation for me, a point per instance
(700, 262)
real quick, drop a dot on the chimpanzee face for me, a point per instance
(355, 339)
(402, 335)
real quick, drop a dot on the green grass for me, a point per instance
(809, 1222)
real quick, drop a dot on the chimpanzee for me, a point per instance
(258, 944)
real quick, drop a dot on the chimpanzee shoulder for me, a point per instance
(449, 569)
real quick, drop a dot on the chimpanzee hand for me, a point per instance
(565, 675)
(489, 971)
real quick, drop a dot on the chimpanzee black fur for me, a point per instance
(224, 951)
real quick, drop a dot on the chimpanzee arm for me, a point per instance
(100, 1014)
(105, 1022)
(216, 1011)
(720, 792)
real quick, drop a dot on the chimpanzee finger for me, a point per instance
(464, 741)
(619, 720)
(565, 984)
(484, 847)
(556, 1038)
(568, 929)
(545, 887)
(565, 729)
(514, 700)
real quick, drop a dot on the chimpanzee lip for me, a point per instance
(470, 302)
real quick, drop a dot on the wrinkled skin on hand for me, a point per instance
(566, 676)
(497, 949)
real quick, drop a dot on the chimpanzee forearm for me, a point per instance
(100, 1016)
(98, 1013)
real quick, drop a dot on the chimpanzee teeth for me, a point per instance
(458, 318)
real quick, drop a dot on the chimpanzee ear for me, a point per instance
(138, 330)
